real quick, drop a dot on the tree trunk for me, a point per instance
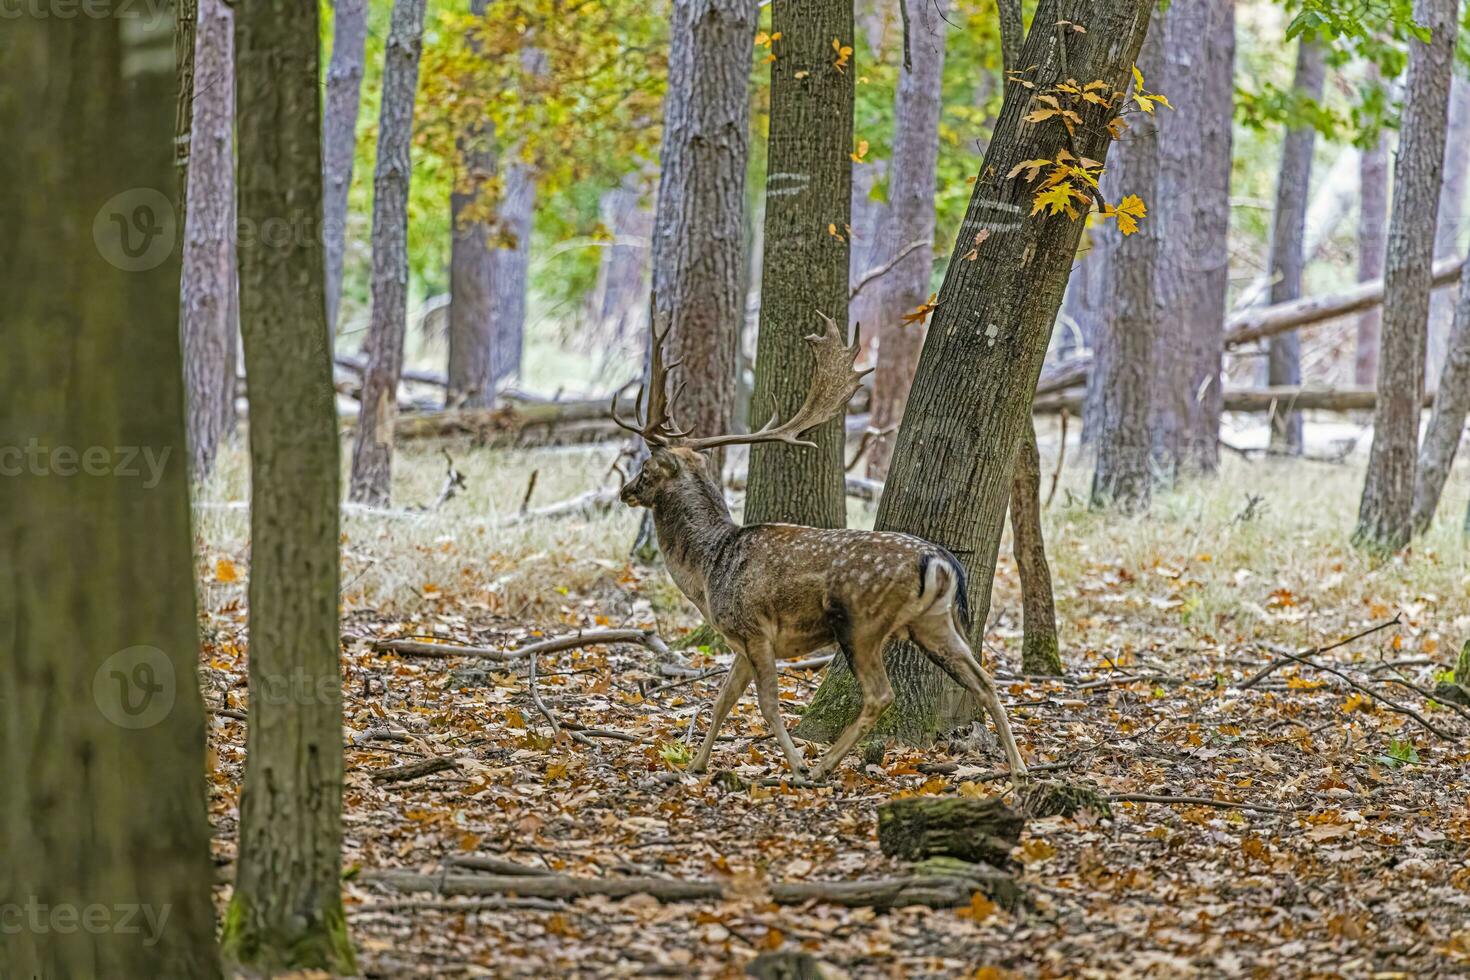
(618, 303)
(1085, 306)
(512, 270)
(1447, 421)
(102, 729)
(286, 910)
(339, 138)
(1040, 651)
(1385, 513)
(699, 223)
(372, 456)
(1193, 213)
(471, 266)
(1124, 474)
(1288, 254)
(210, 297)
(1372, 247)
(911, 205)
(1451, 219)
(971, 400)
(806, 260)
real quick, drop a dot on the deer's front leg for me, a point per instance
(735, 684)
(872, 676)
(768, 690)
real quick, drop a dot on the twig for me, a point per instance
(1201, 801)
(453, 481)
(1282, 661)
(492, 904)
(1056, 474)
(1387, 702)
(878, 272)
(541, 707)
(1429, 696)
(870, 434)
(908, 62)
(530, 489)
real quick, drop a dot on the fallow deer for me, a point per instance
(780, 591)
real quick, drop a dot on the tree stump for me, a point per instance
(1051, 798)
(971, 830)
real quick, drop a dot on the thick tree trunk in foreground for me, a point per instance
(339, 138)
(805, 266)
(1385, 512)
(1288, 250)
(1193, 212)
(1372, 249)
(1124, 474)
(210, 299)
(911, 185)
(286, 910)
(372, 455)
(1447, 422)
(512, 270)
(970, 405)
(1040, 651)
(699, 222)
(102, 725)
(1451, 218)
(471, 267)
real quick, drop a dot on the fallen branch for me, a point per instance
(1280, 662)
(1347, 399)
(1200, 801)
(583, 504)
(414, 770)
(586, 638)
(541, 707)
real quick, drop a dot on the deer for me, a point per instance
(781, 591)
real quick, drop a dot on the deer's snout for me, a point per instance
(629, 495)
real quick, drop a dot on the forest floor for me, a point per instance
(1352, 865)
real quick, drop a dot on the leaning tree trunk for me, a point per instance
(1040, 651)
(971, 400)
(286, 910)
(1447, 421)
(1124, 475)
(1385, 512)
(1193, 212)
(1372, 249)
(210, 298)
(1451, 219)
(372, 455)
(911, 182)
(699, 220)
(102, 728)
(339, 137)
(804, 271)
(471, 265)
(1288, 255)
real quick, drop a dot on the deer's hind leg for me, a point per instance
(735, 684)
(941, 642)
(866, 655)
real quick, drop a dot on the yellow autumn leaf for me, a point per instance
(1033, 166)
(1058, 198)
(861, 151)
(1128, 211)
(225, 571)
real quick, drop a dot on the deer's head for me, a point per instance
(673, 455)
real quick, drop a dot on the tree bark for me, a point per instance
(512, 270)
(618, 303)
(1372, 248)
(286, 910)
(1451, 219)
(1040, 650)
(339, 138)
(372, 456)
(805, 267)
(699, 222)
(471, 267)
(210, 297)
(1193, 213)
(102, 725)
(1124, 477)
(1085, 307)
(1447, 421)
(1288, 249)
(971, 400)
(1385, 512)
(911, 193)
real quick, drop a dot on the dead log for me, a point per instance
(586, 638)
(936, 890)
(1345, 399)
(921, 827)
(1255, 323)
(413, 770)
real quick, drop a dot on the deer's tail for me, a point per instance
(940, 572)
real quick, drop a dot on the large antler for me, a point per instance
(656, 422)
(834, 382)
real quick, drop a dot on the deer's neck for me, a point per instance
(692, 522)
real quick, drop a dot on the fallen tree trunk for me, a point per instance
(1258, 322)
(518, 423)
(933, 890)
(1349, 399)
(920, 827)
